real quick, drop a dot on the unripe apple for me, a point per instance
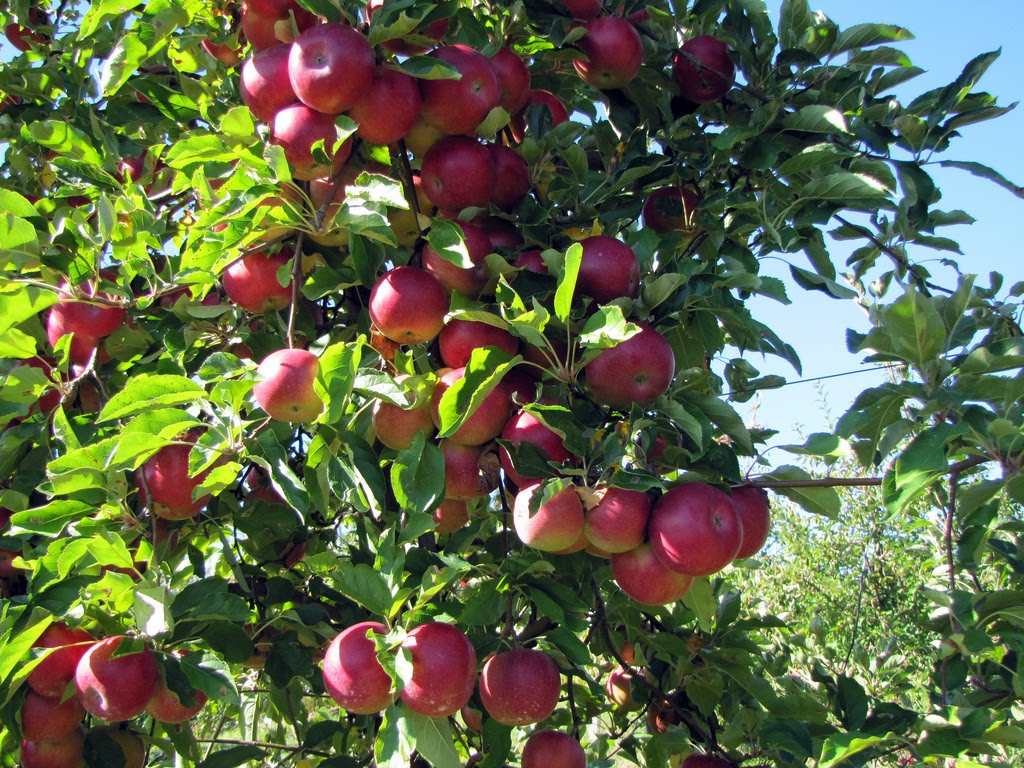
(251, 281)
(226, 54)
(553, 749)
(512, 177)
(458, 173)
(520, 687)
(51, 676)
(485, 423)
(751, 505)
(618, 521)
(636, 371)
(641, 575)
(443, 669)
(465, 281)
(353, 675)
(473, 718)
(115, 689)
(264, 83)
(703, 70)
(466, 475)
(614, 53)
(459, 338)
(525, 427)
(164, 480)
(46, 718)
(60, 753)
(695, 529)
(608, 269)
(451, 515)
(619, 687)
(408, 305)
(389, 108)
(285, 388)
(557, 523)
(331, 67)
(458, 106)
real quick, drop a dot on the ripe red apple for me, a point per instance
(641, 575)
(703, 70)
(331, 67)
(116, 689)
(26, 38)
(614, 53)
(451, 515)
(275, 9)
(228, 55)
(501, 233)
(513, 78)
(296, 128)
(396, 427)
(520, 687)
(285, 389)
(459, 338)
(264, 83)
(408, 305)
(458, 106)
(166, 477)
(45, 718)
(584, 10)
(470, 281)
(51, 676)
(608, 270)
(525, 427)
(669, 209)
(352, 674)
(133, 750)
(695, 529)
(487, 420)
(7, 568)
(473, 718)
(512, 177)
(466, 475)
(434, 31)
(556, 525)
(554, 112)
(166, 707)
(638, 370)
(751, 505)
(553, 749)
(251, 281)
(697, 760)
(87, 322)
(458, 172)
(531, 261)
(60, 753)
(618, 522)
(443, 669)
(264, 32)
(389, 108)
(50, 398)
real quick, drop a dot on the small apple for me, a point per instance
(641, 575)
(331, 67)
(695, 530)
(618, 522)
(513, 77)
(502, 233)
(520, 687)
(703, 70)
(638, 370)
(459, 338)
(608, 269)
(46, 718)
(526, 427)
(60, 753)
(51, 676)
(557, 523)
(512, 177)
(751, 505)
(116, 689)
(264, 32)
(264, 83)
(285, 388)
(165, 477)
(619, 687)
(473, 718)
(408, 305)
(228, 55)
(458, 172)
(466, 474)
(458, 106)
(451, 515)
(485, 423)
(251, 281)
(353, 675)
(443, 669)
(669, 209)
(614, 53)
(388, 109)
(553, 749)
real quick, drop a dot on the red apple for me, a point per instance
(531, 261)
(45, 718)
(619, 687)
(451, 515)
(285, 388)
(352, 674)
(408, 305)
(331, 67)
(7, 568)
(396, 427)
(513, 78)
(165, 476)
(264, 32)
(512, 177)
(638, 370)
(485, 423)
(296, 128)
(751, 505)
(61, 753)
(459, 338)
(608, 270)
(458, 106)
(554, 112)
(470, 281)
(697, 760)
(116, 689)
(51, 676)
(641, 575)
(520, 687)
(264, 83)
(251, 281)
(553, 749)
(458, 172)
(465, 473)
(443, 670)
(228, 55)
(695, 529)
(584, 10)
(525, 427)
(167, 707)
(703, 70)
(50, 398)
(557, 524)
(501, 233)
(614, 53)
(389, 108)
(275, 9)
(668, 209)
(618, 522)
(473, 718)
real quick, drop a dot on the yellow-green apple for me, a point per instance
(285, 387)
(296, 128)
(51, 676)
(513, 78)
(512, 177)
(165, 481)
(458, 172)
(451, 515)
(608, 269)
(408, 305)
(465, 281)
(485, 423)
(443, 669)
(618, 521)
(331, 67)
(520, 687)
(251, 281)
(641, 575)
(669, 209)
(458, 106)
(526, 427)
(422, 136)
(459, 338)
(614, 53)
(695, 530)
(166, 706)
(353, 675)
(115, 688)
(638, 370)
(388, 109)
(264, 83)
(46, 718)
(396, 427)
(466, 475)
(555, 525)
(60, 753)
(553, 749)
(703, 70)
(751, 505)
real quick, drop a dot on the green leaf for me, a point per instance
(19, 243)
(364, 585)
(817, 118)
(794, 20)
(866, 35)
(983, 171)
(65, 139)
(448, 241)
(820, 444)
(701, 600)
(487, 366)
(812, 281)
(567, 281)
(919, 465)
(433, 740)
(395, 740)
(233, 756)
(910, 328)
(819, 501)
(150, 610)
(838, 748)
(843, 186)
(606, 328)
(147, 391)
(122, 63)
(417, 476)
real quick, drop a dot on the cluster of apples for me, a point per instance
(112, 688)
(518, 687)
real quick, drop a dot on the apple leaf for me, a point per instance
(700, 599)
(817, 118)
(52, 518)
(150, 610)
(429, 68)
(840, 747)
(819, 501)
(417, 476)
(395, 741)
(497, 739)
(233, 756)
(567, 281)
(146, 392)
(448, 241)
(434, 740)
(19, 243)
(487, 366)
(606, 328)
(364, 585)
(64, 139)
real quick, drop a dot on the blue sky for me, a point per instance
(947, 35)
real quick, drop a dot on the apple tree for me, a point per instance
(370, 385)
